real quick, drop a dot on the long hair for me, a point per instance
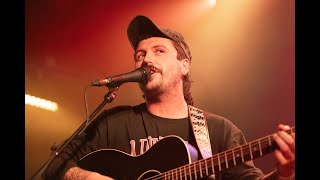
(186, 79)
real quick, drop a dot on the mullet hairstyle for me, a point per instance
(187, 78)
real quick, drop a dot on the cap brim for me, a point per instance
(141, 27)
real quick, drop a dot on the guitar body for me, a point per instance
(168, 153)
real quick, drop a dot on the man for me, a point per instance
(166, 112)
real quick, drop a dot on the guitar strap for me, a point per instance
(200, 131)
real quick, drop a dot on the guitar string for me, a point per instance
(264, 142)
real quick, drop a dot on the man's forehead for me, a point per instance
(155, 41)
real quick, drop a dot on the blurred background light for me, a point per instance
(40, 103)
(212, 3)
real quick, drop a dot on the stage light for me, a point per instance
(212, 3)
(40, 103)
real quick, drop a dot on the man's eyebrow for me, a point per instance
(137, 51)
(156, 46)
(153, 47)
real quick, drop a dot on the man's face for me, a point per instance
(161, 55)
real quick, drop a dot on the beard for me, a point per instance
(151, 91)
(158, 87)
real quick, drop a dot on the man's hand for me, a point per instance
(285, 155)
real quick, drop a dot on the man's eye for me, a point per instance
(139, 57)
(160, 51)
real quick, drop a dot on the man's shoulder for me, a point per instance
(220, 121)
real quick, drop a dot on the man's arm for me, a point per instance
(76, 173)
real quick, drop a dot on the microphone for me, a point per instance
(141, 74)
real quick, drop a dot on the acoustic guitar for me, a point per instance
(173, 158)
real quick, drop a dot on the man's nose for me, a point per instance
(148, 59)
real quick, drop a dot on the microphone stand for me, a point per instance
(108, 98)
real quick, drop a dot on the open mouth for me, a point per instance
(153, 70)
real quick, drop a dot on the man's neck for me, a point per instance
(174, 108)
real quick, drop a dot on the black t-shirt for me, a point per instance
(133, 130)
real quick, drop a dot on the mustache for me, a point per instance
(153, 69)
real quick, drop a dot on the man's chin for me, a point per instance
(148, 88)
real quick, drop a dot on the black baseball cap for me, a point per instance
(141, 27)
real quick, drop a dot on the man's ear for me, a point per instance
(185, 66)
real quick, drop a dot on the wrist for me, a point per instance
(280, 177)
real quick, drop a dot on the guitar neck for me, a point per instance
(227, 159)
